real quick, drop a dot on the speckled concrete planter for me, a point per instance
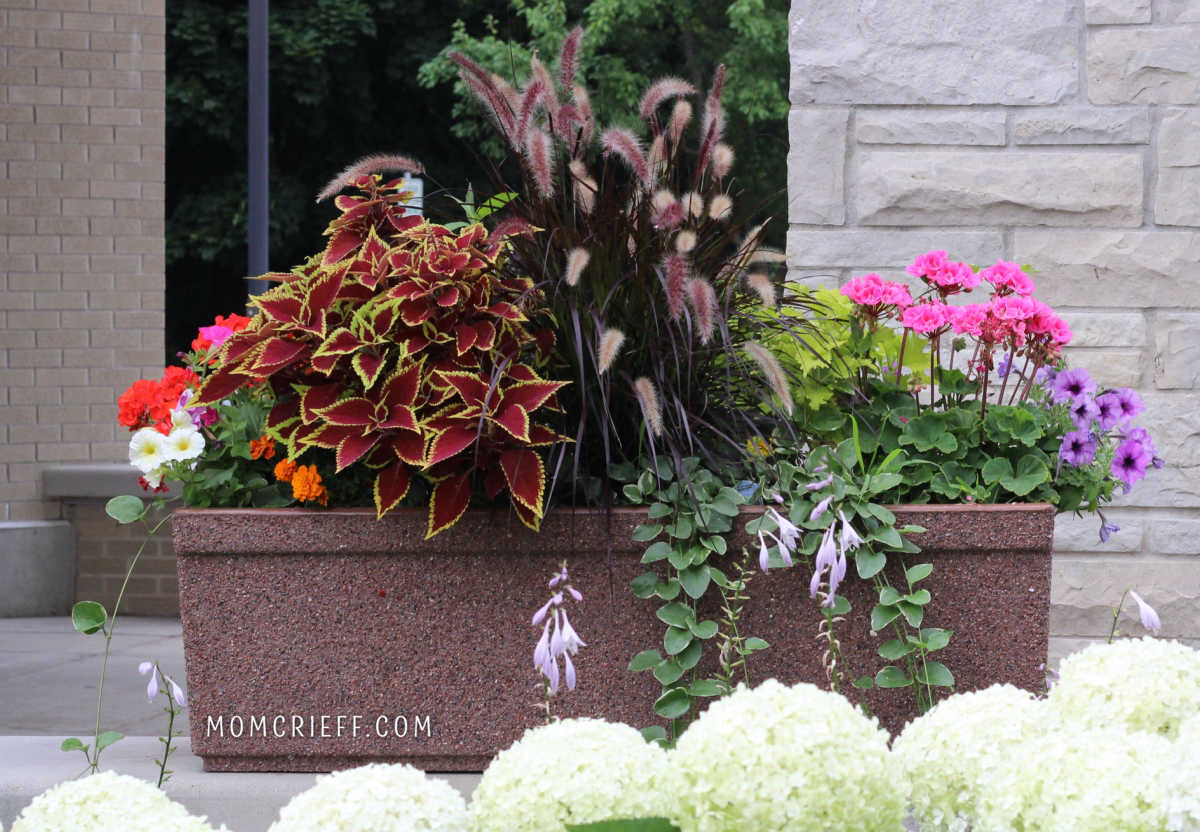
(316, 640)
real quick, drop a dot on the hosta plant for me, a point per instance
(405, 349)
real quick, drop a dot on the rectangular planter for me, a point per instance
(317, 640)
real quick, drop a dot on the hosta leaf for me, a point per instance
(645, 660)
(936, 674)
(675, 640)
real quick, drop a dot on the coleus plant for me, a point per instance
(404, 347)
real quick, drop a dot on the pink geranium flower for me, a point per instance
(865, 291)
(215, 334)
(925, 317)
(1008, 277)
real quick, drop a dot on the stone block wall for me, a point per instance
(1064, 134)
(81, 231)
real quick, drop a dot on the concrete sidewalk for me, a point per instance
(48, 679)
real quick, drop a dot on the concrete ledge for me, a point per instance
(37, 568)
(243, 802)
(101, 480)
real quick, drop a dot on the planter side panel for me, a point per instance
(306, 661)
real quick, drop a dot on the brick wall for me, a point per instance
(103, 552)
(81, 231)
(1061, 133)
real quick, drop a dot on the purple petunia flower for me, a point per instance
(1130, 461)
(1078, 448)
(1110, 410)
(1045, 375)
(1004, 366)
(1107, 530)
(1071, 384)
(1129, 402)
(1084, 411)
(1143, 436)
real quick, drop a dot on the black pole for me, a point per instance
(258, 121)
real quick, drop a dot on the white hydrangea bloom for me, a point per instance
(780, 758)
(1079, 780)
(377, 797)
(106, 801)
(571, 771)
(1183, 779)
(184, 444)
(1144, 684)
(950, 751)
(147, 449)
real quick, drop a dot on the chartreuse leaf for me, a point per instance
(754, 644)
(918, 573)
(705, 687)
(73, 744)
(645, 660)
(108, 738)
(935, 638)
(88, 617)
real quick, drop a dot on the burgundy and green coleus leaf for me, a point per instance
(380, 208)
(354, 425)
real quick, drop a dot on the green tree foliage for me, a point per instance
(630, 43)
(352, 77)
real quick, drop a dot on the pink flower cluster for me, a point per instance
(937, 271)
(872, 291)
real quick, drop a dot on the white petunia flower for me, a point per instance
(182, 419)
(147, 450)
(184, 444)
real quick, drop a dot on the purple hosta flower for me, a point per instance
(828, 557)
(1071, 384)
(1110, 410)
(787, 539)
(1050, 674)
(850, 539)
(1150, 619)
(820, 508)
(152, 687)
(819, 484)
(1129, 462)
(1078, 448)
(1084, 411)
(559, 639)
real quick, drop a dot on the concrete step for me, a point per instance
(243, 802)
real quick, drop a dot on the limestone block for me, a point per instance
(1173, 419)
(979, 188)
(1179, 137)
(1167, 487)
(1116, 11)
(1144, 65)
(817, 158)
(1177, 350)
(1082, 125)
(1127, 269)
(1175, 536)
(921, 126)
(1105, 329)
(873, 249)
(1110, 368)
(1177, 196)
(935, 52)
(1082, 534)
(1178, 11)
(1084, 592)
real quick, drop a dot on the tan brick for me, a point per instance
(153, 300)
(138, 171)
(18, 37)
(61, 300)
(16, 189)
(16, 300)
(19, 490)
(117, 79)
(62, 338)
(34, 95)
(64, 5)
(119, 6)
(40, 319)
(10, 113)
(87, 207)
(62, 225)
(140, 282)
(152, 27)
(115, 153)
(115, 338)
(63, 77)
(87, 320)
(62, 263)
(18, 415)
(138, 320)
(34, 132)
(153, 190)
(10, 151)
(154, 118)
(142, 61)
(88, 97)
(63, 452)
(17, 378)
(34, 433)
(16, 225)
(58, 152)
(117, 189)
(90, 432)
(115, 115)
(48, 114)
(63, 39)
(140, 245)
(116, 264)
(35, 396)
(39, 206)
(72, 377)
(35, 170)
(87, 245)
(12, 452)
(154, 7)
(34, 19)
(62, 187)
(89, 22)
(17, 75)
(114, 300)
(16, 338)
(139, 208)
(88, 282)
(120, 41)
(34, 57)
(89, 170)
(32, 511)
(88, 60)
(115, 225)
(33, 282)
(34, 358)
(17, 262)
(142, 99)
(88, 395)
(91, 357)
(88, 135)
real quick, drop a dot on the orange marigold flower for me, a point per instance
(306, 486)
(285, 469)
(262, 448)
